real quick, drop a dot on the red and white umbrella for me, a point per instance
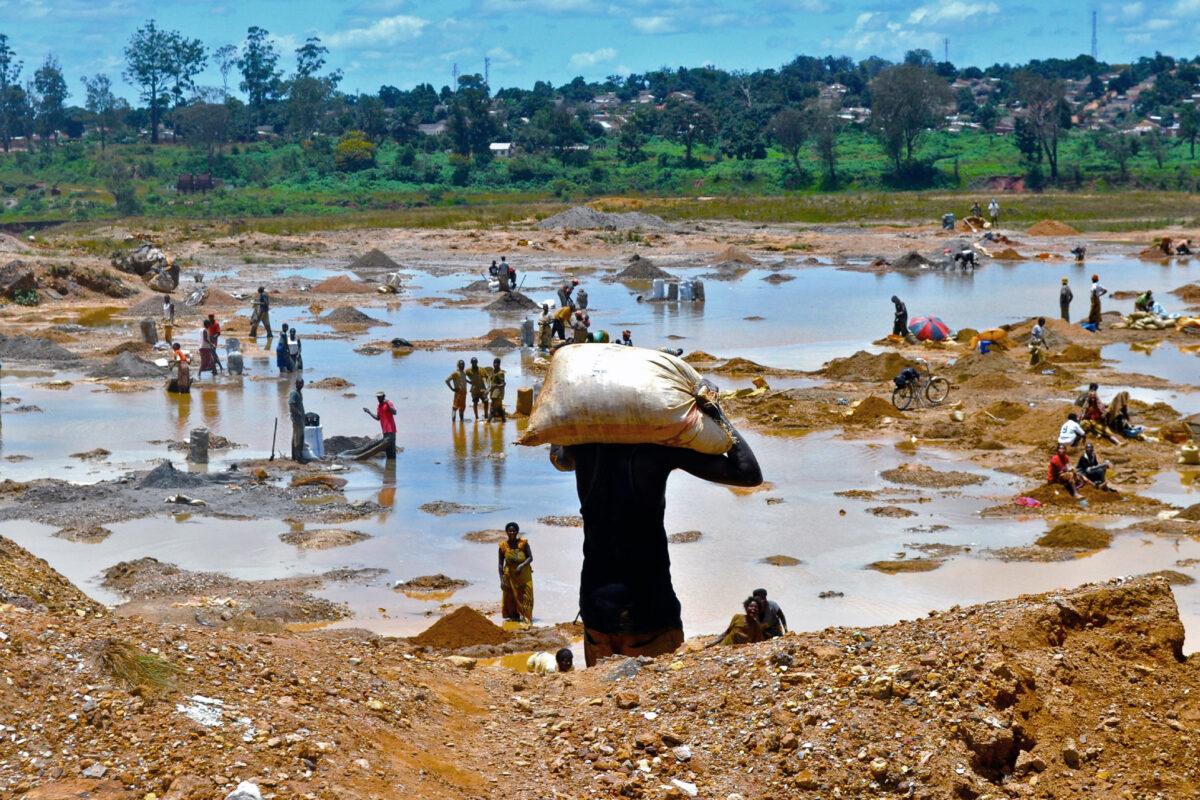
(928, 328)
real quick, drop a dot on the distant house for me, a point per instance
(645, 96)
(1142, 128)
(432, 128)
(501, 149)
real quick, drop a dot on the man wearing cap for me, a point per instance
(1065, 296)
(1097, 292)
(478, 380)
(457, 383)
(385, 412)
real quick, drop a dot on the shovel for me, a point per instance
(275, 431)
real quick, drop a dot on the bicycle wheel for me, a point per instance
(936, 390)
(902, 396)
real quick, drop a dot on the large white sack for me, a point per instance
(613, 394)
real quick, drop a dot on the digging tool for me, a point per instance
(275, 431)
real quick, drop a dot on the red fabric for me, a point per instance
(387, 416)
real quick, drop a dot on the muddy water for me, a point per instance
(819, 315)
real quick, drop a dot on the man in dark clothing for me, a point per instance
(1065, 296)
(1092, 468)
(564, 295)
(262, 313)
(900, 320)
(296, 412)
(770, 615)
(385, 412)
(626, 599)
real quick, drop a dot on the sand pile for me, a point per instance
(1077, 354)
(735, 255)
(864, 366)
(1189, 293)
(323, 538)
(511, 301)
(215, 298)
(973, 364)
(1007, 254)
(349, 315)
(462, 627)
(432, 583)
(152, 307)
(990, 382)
(129, 347)
(1074, 535)
(165, 476)
(341, 284)
(928, 477)
(872, 409)
(582, 217)
(500, 343)
(779, 277)
(331, 383)
(32, 348)
(1007, 410)
(912, 260)
(375, 259)
(1051, 227)
(127, 365)
(642, 269)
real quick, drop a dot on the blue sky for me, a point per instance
(404, 42)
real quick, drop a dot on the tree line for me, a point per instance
(734, 114)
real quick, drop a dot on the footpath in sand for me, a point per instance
(1082, 692)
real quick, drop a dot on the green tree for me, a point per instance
(906, 101)
(102, 104)
(10, 87)
(1156, 146)
(1120, 148)
(150, 64)
(742, 136)
(1026, 139)
(310, 57)
(354, 152)
(789, 130)
(369, 116)
(1044, 100)
(826, 125)
(118, 180)
(206, 126)
(1189, 126)
(471, 125)
(188, 59)
(688, 123)
(630, 142)
(226, 57)
(260, 77)
(49, 97)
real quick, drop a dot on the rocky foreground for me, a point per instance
(1074, 693)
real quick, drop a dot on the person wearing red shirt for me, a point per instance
(1060, 472)
(385, 412)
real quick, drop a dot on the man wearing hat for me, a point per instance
(1065, 296)
(385, 412)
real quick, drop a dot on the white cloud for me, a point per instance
(654, 25)
(540, 6)
(387, 31)
(954, 11)
(863, 19)
(582, 61)
(1132, 11)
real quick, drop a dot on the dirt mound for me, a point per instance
(491, 536)
(700, 357)
(782, 561)
(1076, 536)
(32, 348)
(432, 583)
(349, 315)
(582, 217)
(1007, 254)
(872, 409)
(375, 259)
(511, 301)
(215, 298)
(1007, 410)
(735, 255)
(1077, 354)
(975, 363)
(28, 582)
(323, 538)
(341, 284)
(990, 382)
(331, 383)
(912, 260)
(1191, 513)
(127, 365)
(340, 444)
(500, 343)
(1189, 293)
(864, 366)
(642, 269)
(925, 476)
(152, 307)
(779, 277)
(462, 627)
(129, 347)
(562, 521)
(165, 476)
(1051, 227)
(741, 366)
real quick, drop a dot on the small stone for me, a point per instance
(670, 738)
(1028, 762)
(682, 753)
(805, 779)
(465, 662)
(244, 791)
(789, 742)
(881, 688)
(95, 771)
(522, 703)
(782, 658)
(1070, 754)
(688, 789)
(646, 739)
(627, 700)
(375, 705)
(878, 768)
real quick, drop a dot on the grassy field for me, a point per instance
(293, 186)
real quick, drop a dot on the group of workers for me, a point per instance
(287, 351)
(1109, 422)
(504, 275)
(762, 619)
(487, 385)
(180, 363)
(993, 211)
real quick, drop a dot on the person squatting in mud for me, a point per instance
(626, 600)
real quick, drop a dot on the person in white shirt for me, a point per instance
(1071, 433)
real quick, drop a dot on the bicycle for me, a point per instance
(934, 388)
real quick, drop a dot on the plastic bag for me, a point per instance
(611, 394)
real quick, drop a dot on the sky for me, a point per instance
(406, 42)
